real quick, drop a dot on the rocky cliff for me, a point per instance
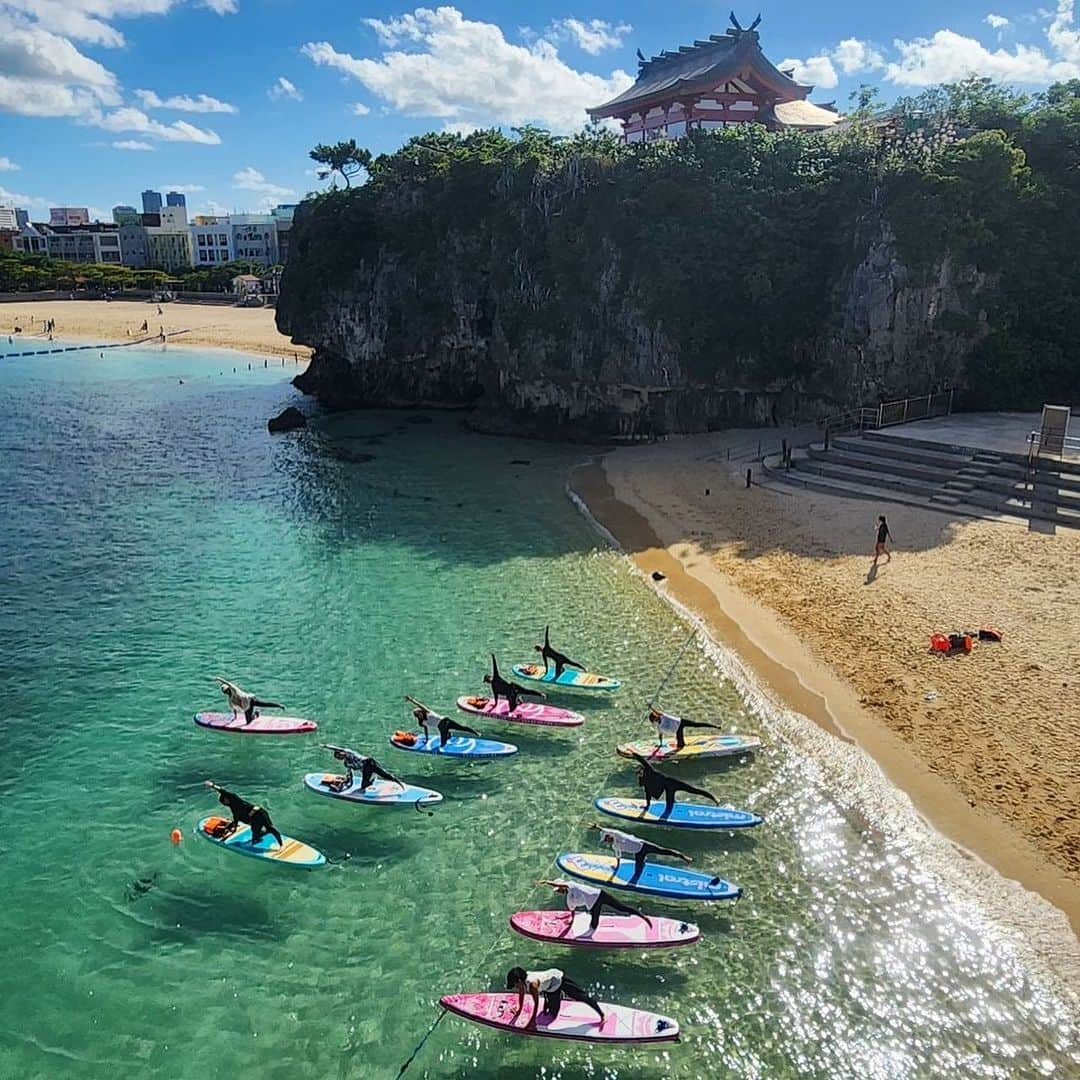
(584, 299)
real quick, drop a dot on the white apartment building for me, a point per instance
(254, 237)
(84, 243)
(211, 241)
(8, 218)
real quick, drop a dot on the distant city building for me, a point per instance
(169, 249)
(151, 201)
(9, 218)
(254, 237)
(174, 217)
(283, 219)
(22, 217)
(723, 81)
(69, 215)
(134, 244)
(125, 215)
(31, 238)
(175, 198)
(211, 240)
(85, 243)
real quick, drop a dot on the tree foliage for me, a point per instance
(344, 158)
(739, 245)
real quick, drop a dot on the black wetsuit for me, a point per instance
(606, 900)
(883, 533)
(446, 725)
(369, 768)
(560, 660)
(249, 814)
(249, 712)
(680, 731)
(511, 691)
(657, 785)
(552, 999)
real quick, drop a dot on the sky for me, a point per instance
(223, 99)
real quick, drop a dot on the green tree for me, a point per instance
(345, 158)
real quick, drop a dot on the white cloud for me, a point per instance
(221, 7)
(85, 20)
(463, 71)
(250, 179)
(7, 165)
(21, 199)
(284, 89)
(593, 36)
(460, 127)
(130, 119)
(854, 55)
(996, 22)
(188, 189)
(815, 70)
(132, 144)
(213, 208)
(201, 103)
(360, 109)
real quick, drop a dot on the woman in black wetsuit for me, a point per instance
(425, 716)
(245, 813)
(367, 766)
(511, 691)
(560, 660)
(658, 785)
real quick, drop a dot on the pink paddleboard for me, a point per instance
(261, 725)
(574, 1021)
(527, 712)
(614, 931)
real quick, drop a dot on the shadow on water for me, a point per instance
(183, 917)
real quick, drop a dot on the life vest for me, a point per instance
(990, 633)
(939, 643)
(406, 738)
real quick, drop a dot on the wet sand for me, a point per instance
(986, 745)
(119, 321)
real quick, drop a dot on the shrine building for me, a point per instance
(712, 84)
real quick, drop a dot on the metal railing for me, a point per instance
(1061, 446)
(889, 413)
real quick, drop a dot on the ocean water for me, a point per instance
(153, 535)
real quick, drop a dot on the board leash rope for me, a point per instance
(554, 863)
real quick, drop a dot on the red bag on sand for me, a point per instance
(990, 633)
(939, 643)
(969, 642)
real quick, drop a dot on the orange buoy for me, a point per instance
(176, 836)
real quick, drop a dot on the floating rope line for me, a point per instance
(671, 670)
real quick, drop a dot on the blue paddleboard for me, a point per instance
(683, 815)
(570, 679)
(656, 879)
(290, 851)
(378, 793)
(463, 746)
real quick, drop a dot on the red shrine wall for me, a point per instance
(670, 120)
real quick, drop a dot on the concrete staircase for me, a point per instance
(935, 475)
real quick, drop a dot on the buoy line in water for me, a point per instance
(101, 347)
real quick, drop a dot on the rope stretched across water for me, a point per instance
(554, 862)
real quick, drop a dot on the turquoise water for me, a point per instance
(152, 535)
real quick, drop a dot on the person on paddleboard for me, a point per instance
(425, 716)
(666, 724)
(625, 844)
(560, 660)
(657, 785)
(580, 897)
(366, 766)
(511, 691)
(243, 813)
(242, 701)
(553, 986)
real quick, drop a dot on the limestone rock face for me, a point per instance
(386, 334)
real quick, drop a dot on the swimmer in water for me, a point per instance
(553, 986)
(511, 691)
(666, 724)
(626, 844)
(425, 716)
(658, 785)
(580, 897)
(367, 766)
(243, 702)
(560, 660)
(244, 813)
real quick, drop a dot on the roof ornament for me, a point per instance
(738, 30)
(641, 59)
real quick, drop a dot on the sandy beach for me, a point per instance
(987, 745)
(219, 326)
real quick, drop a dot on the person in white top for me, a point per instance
(580, 897)
(624, 843)
(242, 701)
(425, 716)
(553, 985)
(666, 724)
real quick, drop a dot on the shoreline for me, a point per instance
(114, 324)
(787, 674)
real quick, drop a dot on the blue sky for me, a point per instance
(224, 98)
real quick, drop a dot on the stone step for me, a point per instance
(1017, 458)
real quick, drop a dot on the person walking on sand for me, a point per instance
(883, 536)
